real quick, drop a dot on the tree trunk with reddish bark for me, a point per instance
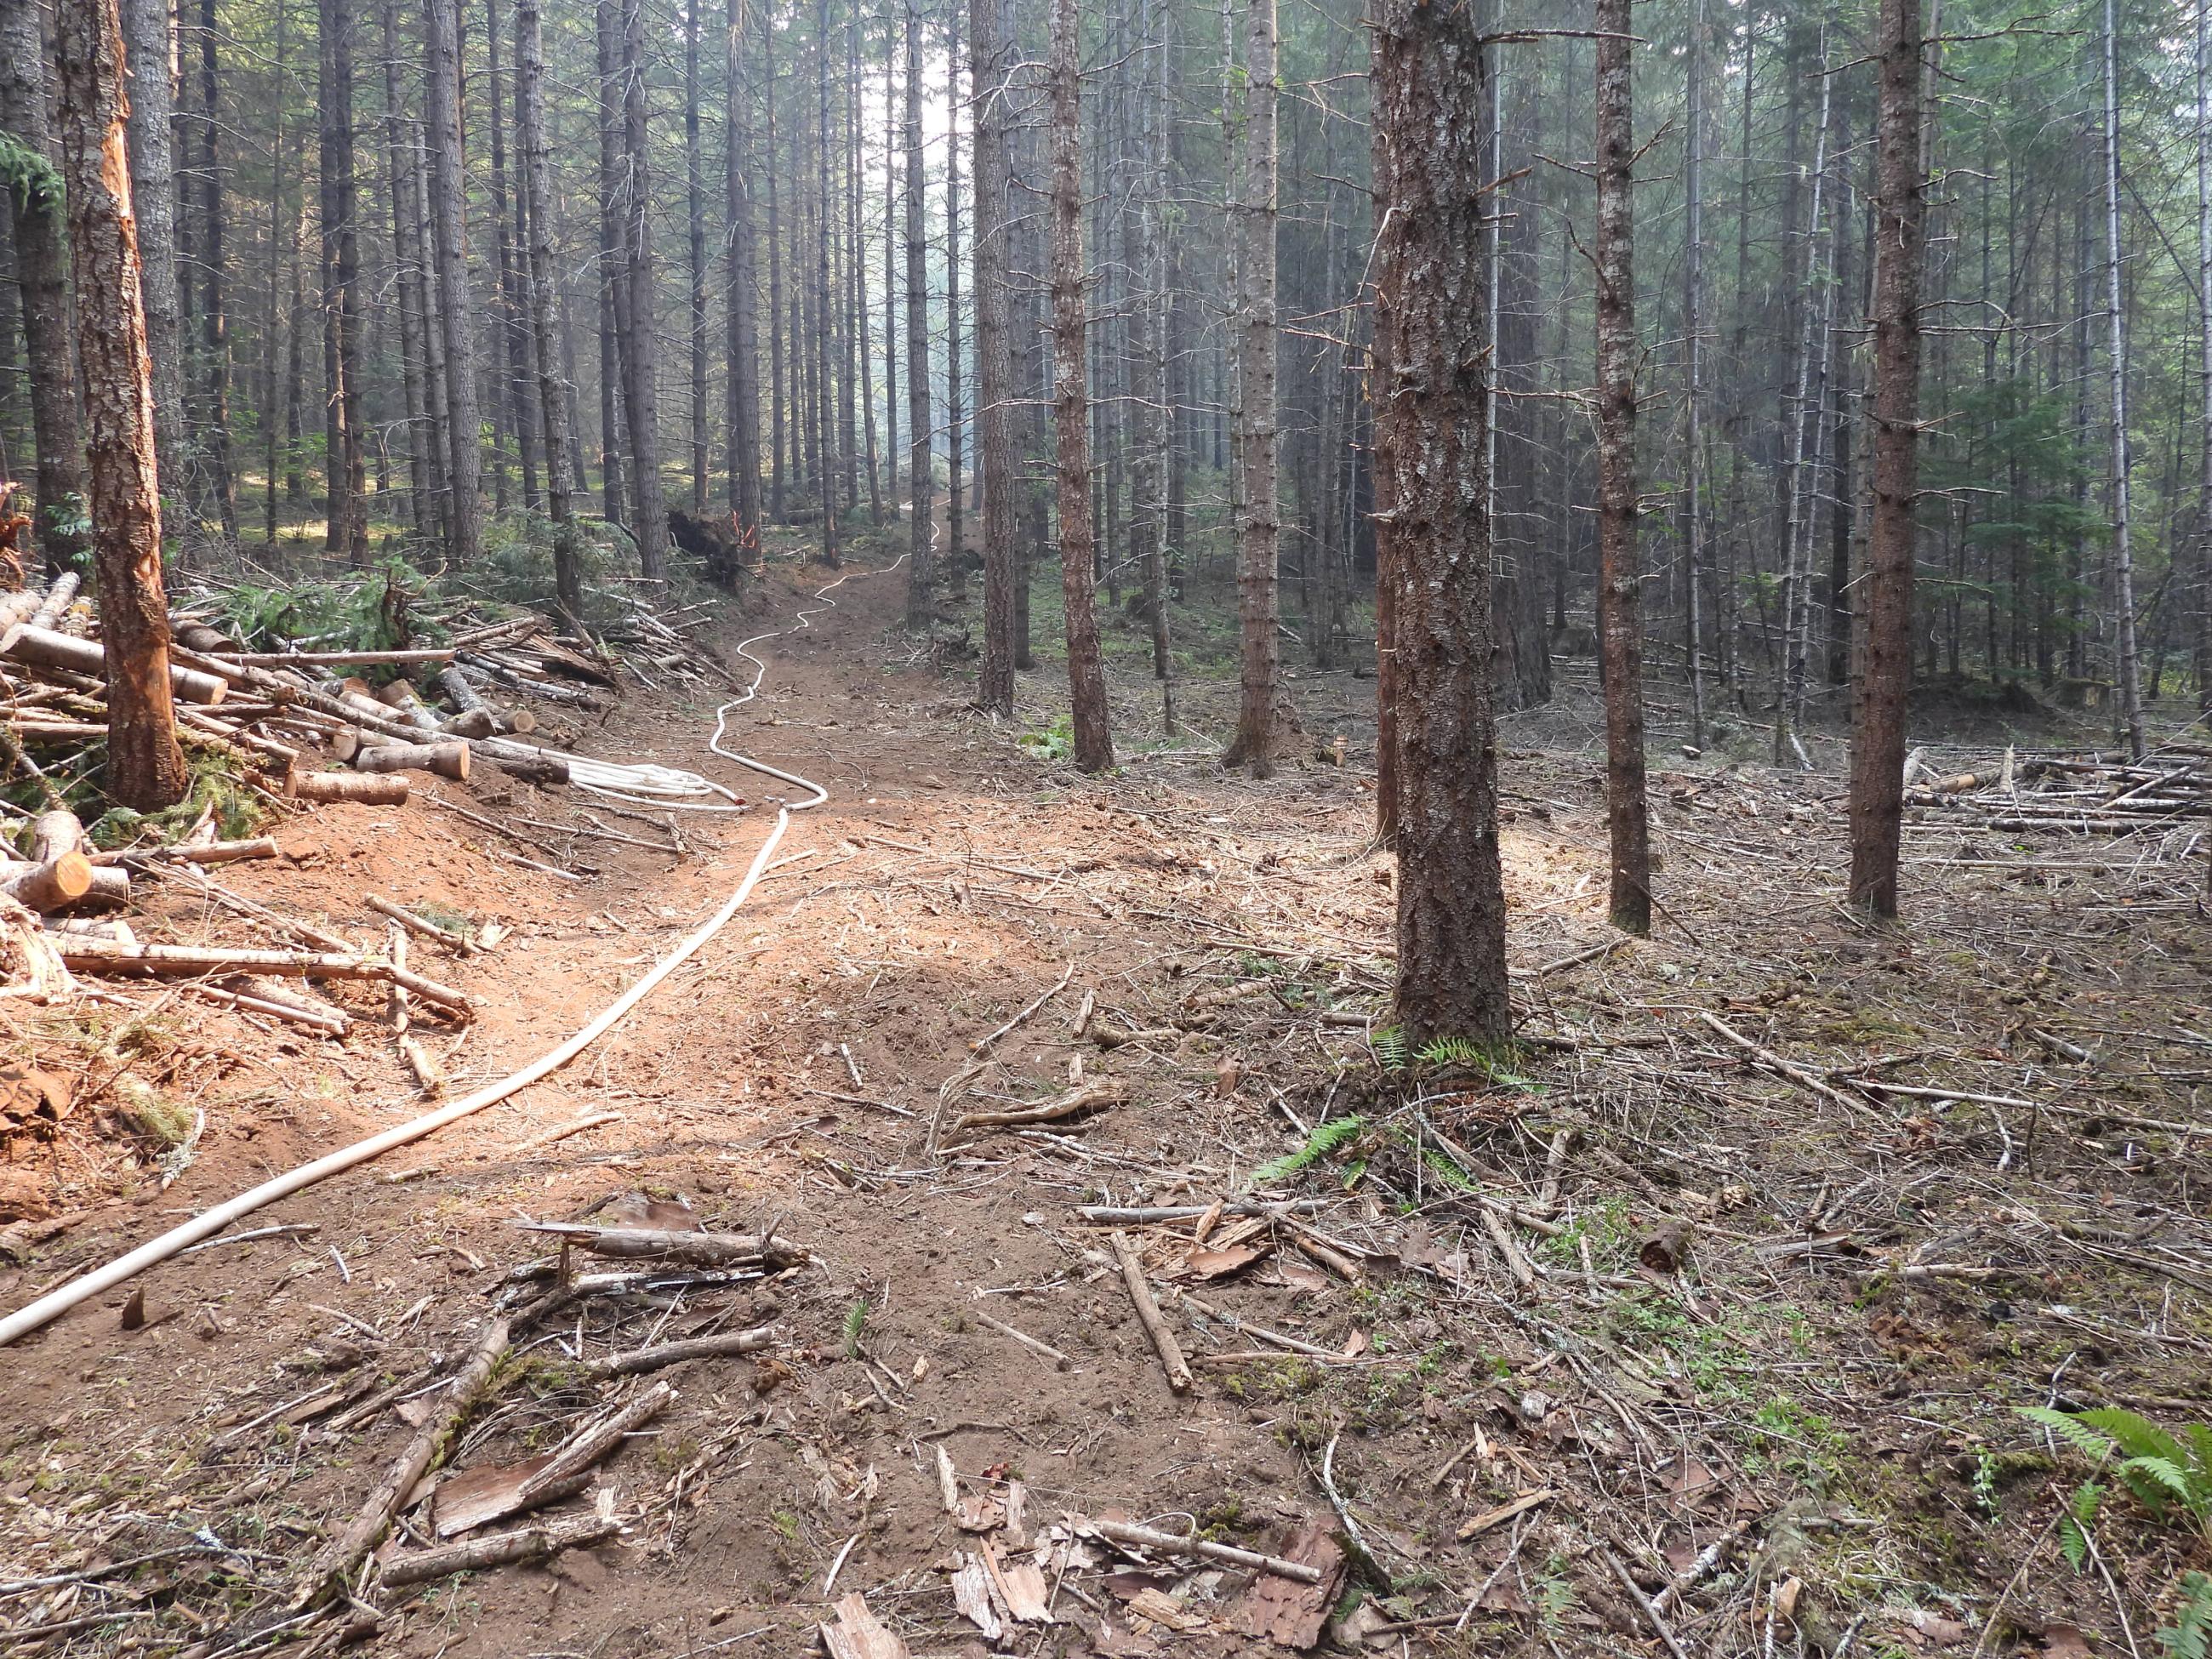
(145, 766)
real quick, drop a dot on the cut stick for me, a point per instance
(331, 1024)
(420, 927)
(214, 852)
(590, 1121)
(395, 993)
(332, 1572)
(1107, 1093)
(364, 788)
(429, 1077)
(48, 649)
(1033, 1344)
(585, 1449)
(706, 1249)
(1148, 1315)
(1774, 1062)
(499, 1549)
(186, 959)
(1205, 1549)
(446, 760)
(641, 1360)
(334, 659)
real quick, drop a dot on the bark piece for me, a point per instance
(858, 1634)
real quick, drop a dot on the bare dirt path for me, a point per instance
(1502, 1380)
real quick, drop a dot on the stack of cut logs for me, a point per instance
(275, 720)
(2077, 791)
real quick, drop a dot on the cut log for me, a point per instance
(420, 927)
(707, 1250)
(399, 695)
(214, 852)
(447, 760)
(198, 636)
(55, 833)
(466, 696)
(345, 745)
(368, 788)
(499, 1549)
(542, 768)
(52, 885)
(472, 723)
(110, 891)
(337, 659)
(332, 1023)
(114, 931)
(56, 600)
(33, 644)
(189, 960)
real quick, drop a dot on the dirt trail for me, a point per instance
(793, 1074)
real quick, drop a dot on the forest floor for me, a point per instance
(1757, 1244)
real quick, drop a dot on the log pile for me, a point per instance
(289, 726)
(2076, 792)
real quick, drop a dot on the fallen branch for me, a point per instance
(501, 1548)
(188, 959)
(1148, 1315)
(1205, 1549)
(1111, 1093)
(1774, 1062)
(586, 1448)
(332, 1572)
(639, 1361)
(706, 1249)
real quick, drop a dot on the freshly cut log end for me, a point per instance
(55, 884)
(345, 745)
(472, 723)
(447, 760)
(367, 788)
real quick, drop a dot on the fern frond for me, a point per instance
(1326, 1139)
(2155, 1481)
(2073, 1542)
(2135, 1435)
(2084, 1439)
(2189, 1636)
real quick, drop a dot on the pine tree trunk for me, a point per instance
(1144, 258)
(346, 506)
(775, 314)
(1429, 398)
(991, 50)
(921, 477)
(856, 247)
(641, 353)
(214, 322)
(145, 769)
(1259, 722)
(465, 451)
(512, 357)
(743, 415)
(1621, 577)
(537, 280)
(1086, 670)
(2129, 664)
(611, 266)
(695, 204)
(1694, 388)
(407, 265)
(273, 331)
(148, 37)
(40, 231)
(1885, 678)
(822, 364)
(955, 534)
(2203, 640)
(893, 118)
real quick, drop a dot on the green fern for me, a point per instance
(1389, 1047)
(2074, 1526)
(2163, 1470)
(1326, 1139)
(2189, 1636)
